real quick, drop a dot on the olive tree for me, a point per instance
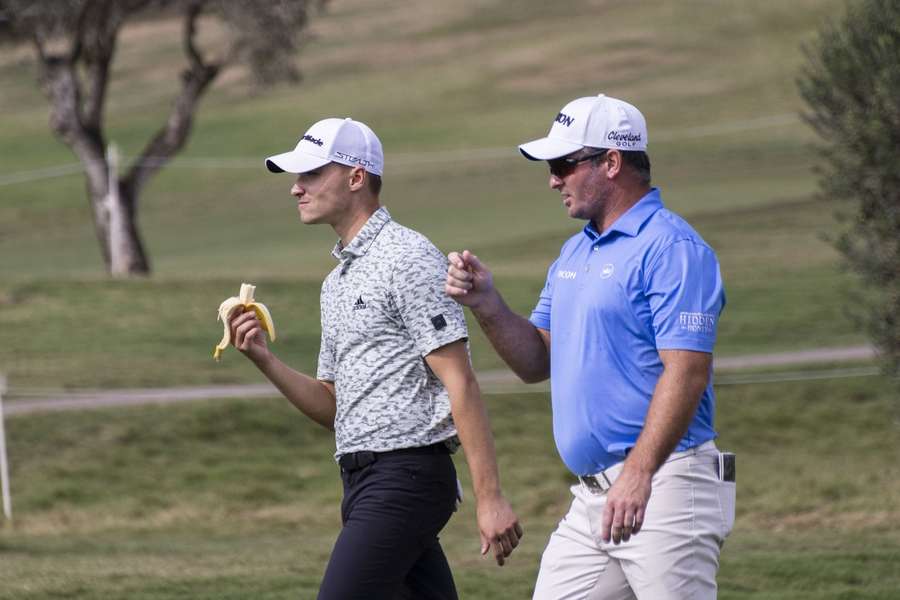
(75, 42)
(851, 84)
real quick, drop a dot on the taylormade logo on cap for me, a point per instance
(310, 138)
(594, 121)
(343, 141)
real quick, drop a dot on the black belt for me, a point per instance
(354, 461)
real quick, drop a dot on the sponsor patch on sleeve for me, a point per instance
(697, 322)
(439, 322)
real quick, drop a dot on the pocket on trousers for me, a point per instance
(593, 514)
(727, 497)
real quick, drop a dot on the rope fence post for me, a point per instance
(4, 467)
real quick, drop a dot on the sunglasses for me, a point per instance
(560, 167)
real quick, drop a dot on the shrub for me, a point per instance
(851, 84)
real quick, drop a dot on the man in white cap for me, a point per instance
(394, 380)
(624, 328)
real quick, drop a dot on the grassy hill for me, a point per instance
(238, 499)
(451, 88)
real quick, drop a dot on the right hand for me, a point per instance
(499, 528)
(469, 282)
(248, 336)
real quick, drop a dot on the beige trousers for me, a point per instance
(674, 556)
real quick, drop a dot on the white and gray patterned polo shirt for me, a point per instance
(383, 310)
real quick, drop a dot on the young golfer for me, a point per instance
(394, 380)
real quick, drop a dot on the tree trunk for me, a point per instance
(115, 224)
(113, 207)
(95, 174)
(77, 119)
(126, 250)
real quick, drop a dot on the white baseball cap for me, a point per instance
(595, 121)
(343, 141)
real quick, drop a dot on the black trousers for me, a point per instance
(388, 549)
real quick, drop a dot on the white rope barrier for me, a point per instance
(401, 160)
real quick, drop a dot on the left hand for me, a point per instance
(626, 503)
(499, 527)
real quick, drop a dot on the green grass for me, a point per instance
(783, 287)
(234, 499)
(471, 75)
(239, 499)
(729, 153)
(143, 333)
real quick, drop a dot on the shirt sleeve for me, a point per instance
(540, 316)
(432, 318)
(325, 370)
(686, 296)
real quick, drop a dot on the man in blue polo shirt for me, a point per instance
(625, 328)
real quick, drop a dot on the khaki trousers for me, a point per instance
(675, 556)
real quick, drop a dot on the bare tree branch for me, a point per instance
(39, 46)
(98, 77)
(171, 137)
(98, 59)
(62, 88)
(79, 34)
(188, 38)
(75, 43)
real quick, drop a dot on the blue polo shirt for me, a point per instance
(611, 302)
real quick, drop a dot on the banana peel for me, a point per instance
(244, 300)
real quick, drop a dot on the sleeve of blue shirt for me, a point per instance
(540, 316)
(684, 288)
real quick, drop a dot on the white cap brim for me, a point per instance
(294, 162)
(548, 149)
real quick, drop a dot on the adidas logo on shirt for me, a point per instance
(359, 304)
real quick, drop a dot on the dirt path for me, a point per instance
(495, 381)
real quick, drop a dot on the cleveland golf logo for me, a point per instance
(625, 139)
(564, 119)
(310, 138)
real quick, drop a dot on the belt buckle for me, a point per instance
(596, 484)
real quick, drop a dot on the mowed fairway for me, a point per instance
(239, 499)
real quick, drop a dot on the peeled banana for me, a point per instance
(243, 300)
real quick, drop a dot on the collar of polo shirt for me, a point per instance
(360, 244)
(632, 220)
